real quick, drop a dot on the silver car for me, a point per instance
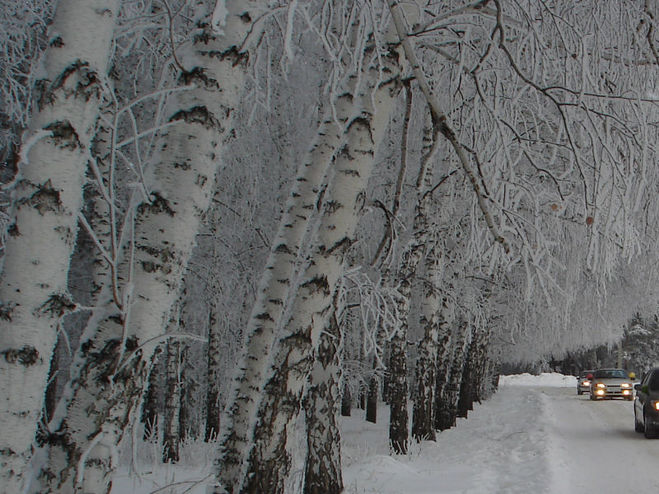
(611, 383)
(583, 383)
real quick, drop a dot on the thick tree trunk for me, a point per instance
(48, 200)
(323, 463)
(269, 460)
(115, 368)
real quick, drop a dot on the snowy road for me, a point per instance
(529, 438)
(593, 447)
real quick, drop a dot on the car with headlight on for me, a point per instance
(646, 404)
(611, 383)
(583, 383)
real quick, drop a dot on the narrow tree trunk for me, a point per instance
(447, 409)
(172, 403)
(151, 403)
(467, 384)
(346, 401)
(213, 411)
(323, 462)
(48, 200)
(426, 365)
(269, 460)
(372, 395)
(398, 417)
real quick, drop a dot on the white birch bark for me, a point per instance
(116, 365)
(269, 461)
(448, 402)
(321, 406)
(277, 279)
(48, 199)
(172, 403)
(426, 365)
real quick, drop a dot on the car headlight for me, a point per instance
(600, 385)
(586, 383)
(625, 385)
(655, 404)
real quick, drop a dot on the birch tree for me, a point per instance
(279, 274)
(116, 360)
(48, 199)
(269, 460)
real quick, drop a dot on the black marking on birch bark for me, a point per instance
(56, 42)
(282, 249)
(45, 199)
(317, 284)
(245, 17)
(198, 115)
(341, 246)
(157, 205)
(232, 55)
(264, 316)
(64, 135)
(164, 254)
(332, 206)
(58, 305)
(6, 310)
(88, 86)
(198, 75)
(26, 356)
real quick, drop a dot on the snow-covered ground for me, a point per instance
(535, 435)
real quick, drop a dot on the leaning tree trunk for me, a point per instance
(48, 200)
(115, 359)
(275, 283)
(448, 402)
(321, 405)
(269, 460)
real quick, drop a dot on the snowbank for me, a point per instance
(549, 379)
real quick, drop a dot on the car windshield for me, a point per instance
(611, 373)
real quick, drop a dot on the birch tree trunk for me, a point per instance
(269, 460)
(213, 411)
(48, 200)
(321, 405)
(426, 365)
(172, 403)
(276, 282)
(116, 358)
(447, 409)
(410, 258)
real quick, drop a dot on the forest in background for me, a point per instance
(231, 221)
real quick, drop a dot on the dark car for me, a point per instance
(646, 404)
(583, 382)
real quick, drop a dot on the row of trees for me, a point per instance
(325, 202)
